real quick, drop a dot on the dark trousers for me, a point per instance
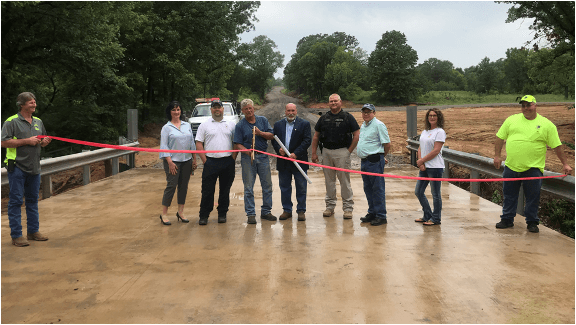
(374, 187)
(285, 182)
(180, 181)
(214, 169)
(511, 190)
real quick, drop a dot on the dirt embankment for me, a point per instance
(473, 129)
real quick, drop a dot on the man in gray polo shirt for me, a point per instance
(216, 134)
(20, 138)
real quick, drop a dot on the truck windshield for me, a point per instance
(204, 110)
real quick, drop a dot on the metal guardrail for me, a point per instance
(55, 165)
(563, 187)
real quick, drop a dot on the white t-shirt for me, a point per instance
(216, 136)
(427, 140)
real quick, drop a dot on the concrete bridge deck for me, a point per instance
(109, 260)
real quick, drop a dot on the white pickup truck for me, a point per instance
(202, 112)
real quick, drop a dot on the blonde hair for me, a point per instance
(246, 102)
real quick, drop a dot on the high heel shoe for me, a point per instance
(181, 219)
(166, 223)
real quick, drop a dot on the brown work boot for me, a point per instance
(328, 213)
(37, 236)
(301, 216)
(20, 242)
(347, 214)
(285, 215)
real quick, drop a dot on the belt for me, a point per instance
(218, 157)
(373, 158)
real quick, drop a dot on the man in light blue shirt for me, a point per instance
(373, 146)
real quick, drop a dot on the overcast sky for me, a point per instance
(460, 32)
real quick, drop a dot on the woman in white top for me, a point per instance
(176, 135)
(431, 165)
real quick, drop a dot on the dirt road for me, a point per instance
(274, 111)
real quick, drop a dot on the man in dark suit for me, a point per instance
(295, 133)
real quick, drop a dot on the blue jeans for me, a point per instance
(23, 185)
(421, 185)
(260, 167)
(511, 190)
(285, 180)
(375, 188)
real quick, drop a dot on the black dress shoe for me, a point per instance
(179, 218)
(268, 216)
(368, 218)
(166, 223)
(378, 222)
(203, 221)
(221, 219)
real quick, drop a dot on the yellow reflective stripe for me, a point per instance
(10, 152)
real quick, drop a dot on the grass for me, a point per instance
(450, 98)
(467, 97)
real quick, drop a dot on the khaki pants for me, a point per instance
(337, 158)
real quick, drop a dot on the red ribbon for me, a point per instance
(111, 146)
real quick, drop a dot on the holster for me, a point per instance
(11, 164)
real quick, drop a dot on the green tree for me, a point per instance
(66, 53)
(553, 20)
(516, 69)
(487, 77)
(436, 70)
(471, 76)
(393, 68)
(548, 73)
(183, 50)
(345, 74)
(262, 62)
(87, 62)
(306, 70)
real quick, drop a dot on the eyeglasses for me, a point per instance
(432, 115)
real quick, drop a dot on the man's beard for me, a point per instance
(290, 119)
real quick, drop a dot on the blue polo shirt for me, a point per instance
(243, 133)
(372, 137)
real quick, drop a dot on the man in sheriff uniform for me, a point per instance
(338, 133)
(20, 138)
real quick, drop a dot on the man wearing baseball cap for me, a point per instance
(373, 146)
(216, 134)
(526, 134)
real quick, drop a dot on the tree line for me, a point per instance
(324, 64)
(88, 62)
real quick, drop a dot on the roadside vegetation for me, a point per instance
(324, 64)
(91, 61)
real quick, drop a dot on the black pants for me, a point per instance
(214, 168)
(179, 180)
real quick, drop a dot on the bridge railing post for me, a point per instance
(411, 129)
